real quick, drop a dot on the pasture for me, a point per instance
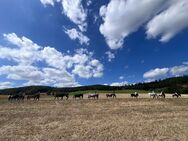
(123, 118)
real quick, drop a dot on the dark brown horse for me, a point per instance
(58, 95)
(93, 96)
(113, 95)
(17, 97)
(80, 96)
(34, 96)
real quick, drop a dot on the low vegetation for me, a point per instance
(103, 119)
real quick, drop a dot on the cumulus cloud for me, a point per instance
(155, 73)
(121, 18)
(25, 52)
(4, 85)
(20, 72)
(110, 55)
(169, 22)
(162, 72)
(75, 11)
(179, 70)
(59, 69)
(75, 34)
(119, 83)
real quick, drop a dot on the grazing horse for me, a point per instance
(60, 95)
(34, 96)
(113, 95)
(176, 95)
(135, 95)
(153, 94)
(80, 96)
(16, 97)
(162, 95)
(93, 96)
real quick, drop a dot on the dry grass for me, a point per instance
(103, 119)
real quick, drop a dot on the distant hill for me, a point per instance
(169, 85)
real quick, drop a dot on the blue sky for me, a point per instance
(83, 42)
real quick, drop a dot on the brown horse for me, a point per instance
(34, 96)
(17, 97)
(93, 96)
(80, 96)
(113, 95)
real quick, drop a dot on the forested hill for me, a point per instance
(169, 85)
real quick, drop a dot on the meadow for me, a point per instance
(123, 118)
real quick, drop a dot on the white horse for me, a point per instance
(153, 94)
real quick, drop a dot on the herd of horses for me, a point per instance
(22, 96)
(162, 95)
(61, 96)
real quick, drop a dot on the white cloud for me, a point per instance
(121, 77)
(75, 34)
(83, 71)
(4, 85)
(49, 2)
(20, 72)
(110, 55)
(185, 63)
(119, 83)
(155, 73)
(149, 80)
(169, 22)
(57, 77)
(121, 18)
(58, 68)
(161, 72)
(25, 52)
(179, 70)
(99, 68)
(74, 10)
(89, 2)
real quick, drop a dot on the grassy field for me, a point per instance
(103, 119)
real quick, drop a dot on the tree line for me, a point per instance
(169, 85)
